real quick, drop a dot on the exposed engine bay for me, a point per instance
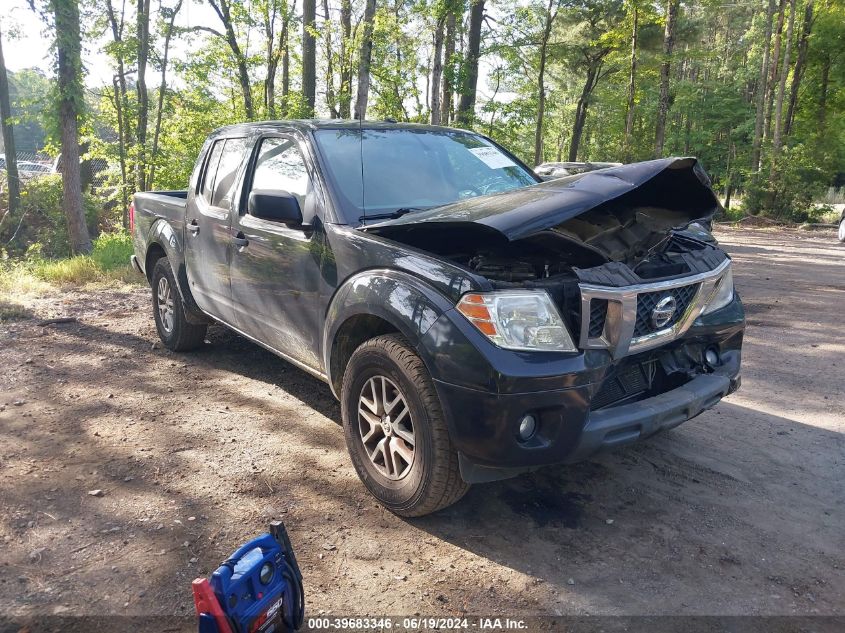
(637, 240)
(616, 227)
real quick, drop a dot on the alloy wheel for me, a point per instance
(386, 427)
(165, 304)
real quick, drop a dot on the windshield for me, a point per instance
(378, 172)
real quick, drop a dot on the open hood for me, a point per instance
(679, 187)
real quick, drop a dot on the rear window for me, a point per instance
(222, 171)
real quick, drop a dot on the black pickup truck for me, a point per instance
(474, 321)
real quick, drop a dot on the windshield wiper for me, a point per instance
(392, 215)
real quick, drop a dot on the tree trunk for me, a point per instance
(124, 193)
(773, 72)
(541, 84)
(364, 59)
(12, 178)
(665, 68)
(632, 89)
(271, 57)
(581, 109)
(757, 144)
(825, 83)
(285, 39)
(777, 137)
(70, 102)
(800, 63)
(121, 104)
(466, 106)
(222, 9)
(143, 37)
(448, 73)
(437, 71)
(345, 96)
(162, 89)
(309, 54)
(331, 97)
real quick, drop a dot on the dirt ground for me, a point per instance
(741, 511)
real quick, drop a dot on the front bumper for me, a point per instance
(483, 416)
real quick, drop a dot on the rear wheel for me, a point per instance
(395, 431)
(174, 330)
(842, 229)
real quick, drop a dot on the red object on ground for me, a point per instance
(206, 602)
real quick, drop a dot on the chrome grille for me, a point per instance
(598, 316)
(620, 319)
(647, 301)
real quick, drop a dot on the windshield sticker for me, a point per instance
(492, 157)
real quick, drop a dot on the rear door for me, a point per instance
(208, 235)
(276, 272)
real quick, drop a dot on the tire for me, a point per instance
(430, 480)
(841, 233)
(174, 330)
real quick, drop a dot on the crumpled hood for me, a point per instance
(679, 185)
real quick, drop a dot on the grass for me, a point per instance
(108, 264)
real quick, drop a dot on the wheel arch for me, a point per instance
(373, 303)
(164, 242)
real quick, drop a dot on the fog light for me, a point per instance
(527, 426)
(711, 357)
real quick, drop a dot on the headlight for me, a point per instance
(523, 320)
(723, 294)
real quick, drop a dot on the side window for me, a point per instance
(227, 172)
(211, 170)
(281, 167)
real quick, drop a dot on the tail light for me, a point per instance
(131, 217)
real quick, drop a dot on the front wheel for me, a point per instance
(842, 230)
(395, 431)
(174, 330)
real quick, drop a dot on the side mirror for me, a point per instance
(278, 206)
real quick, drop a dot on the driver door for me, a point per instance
(276, 276)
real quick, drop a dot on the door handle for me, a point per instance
(240, 240)
(193, 227)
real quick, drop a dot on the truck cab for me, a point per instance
(474, 321)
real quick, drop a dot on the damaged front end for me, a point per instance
(621, 253)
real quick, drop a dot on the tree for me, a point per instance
(309, 53)
(585, 50)
(364, 60)
(143, 39)
(800, 64)
(12, 180)
(632, 84)
(549, 19)
(437, 69)
(665, 68)
(777, 138)
(223, 10)
(448, 66)
(70, 106)
(170, 16)
(760, 100)
(466, 106)
(345, 92)
(118, 50)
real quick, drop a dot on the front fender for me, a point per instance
(404, 301)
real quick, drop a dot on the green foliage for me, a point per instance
(112, 250)
(41, 219)
(789, 195)
(33, 272)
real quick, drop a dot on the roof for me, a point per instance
(328, 124)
